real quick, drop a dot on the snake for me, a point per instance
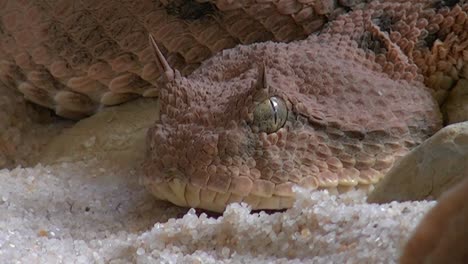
(334, 110)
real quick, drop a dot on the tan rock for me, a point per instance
(115, 136)
(429, 170)
(455, 108)
(442, 234)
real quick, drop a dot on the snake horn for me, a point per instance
(262, 85)
(262, 78)
(162, 63)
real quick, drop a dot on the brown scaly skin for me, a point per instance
(76, 56)
(355, 97)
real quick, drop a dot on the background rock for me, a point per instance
(441, 236)
(428, 170)
(118, 131)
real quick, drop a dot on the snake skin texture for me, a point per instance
(76, 56)
(355, 97)
(358, 79)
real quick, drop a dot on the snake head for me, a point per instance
(202, 151)
(251, 123)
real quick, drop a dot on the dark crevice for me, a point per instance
(190, 10)
(369, 42)
(430, 39)
(347, 9)
(351, 4)
(445, 3)
(2, 30)
(384, 22)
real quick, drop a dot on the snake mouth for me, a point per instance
(186, 194)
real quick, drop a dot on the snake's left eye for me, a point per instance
(270, 115)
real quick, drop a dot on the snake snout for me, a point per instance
(185, 161)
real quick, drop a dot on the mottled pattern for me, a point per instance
(356, 91)
(76, 56)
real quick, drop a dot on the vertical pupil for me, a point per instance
(274, 106)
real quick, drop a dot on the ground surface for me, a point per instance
(84, 213)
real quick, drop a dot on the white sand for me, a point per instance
(78, 213)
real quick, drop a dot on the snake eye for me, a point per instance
(270, 115)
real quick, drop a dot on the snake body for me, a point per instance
(76, 56)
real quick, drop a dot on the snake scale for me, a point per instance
(334, 109)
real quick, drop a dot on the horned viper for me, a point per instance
(333, 111)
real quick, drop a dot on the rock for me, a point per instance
(116, 136)
(455, 108)
(442, 234)
(428, 170)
